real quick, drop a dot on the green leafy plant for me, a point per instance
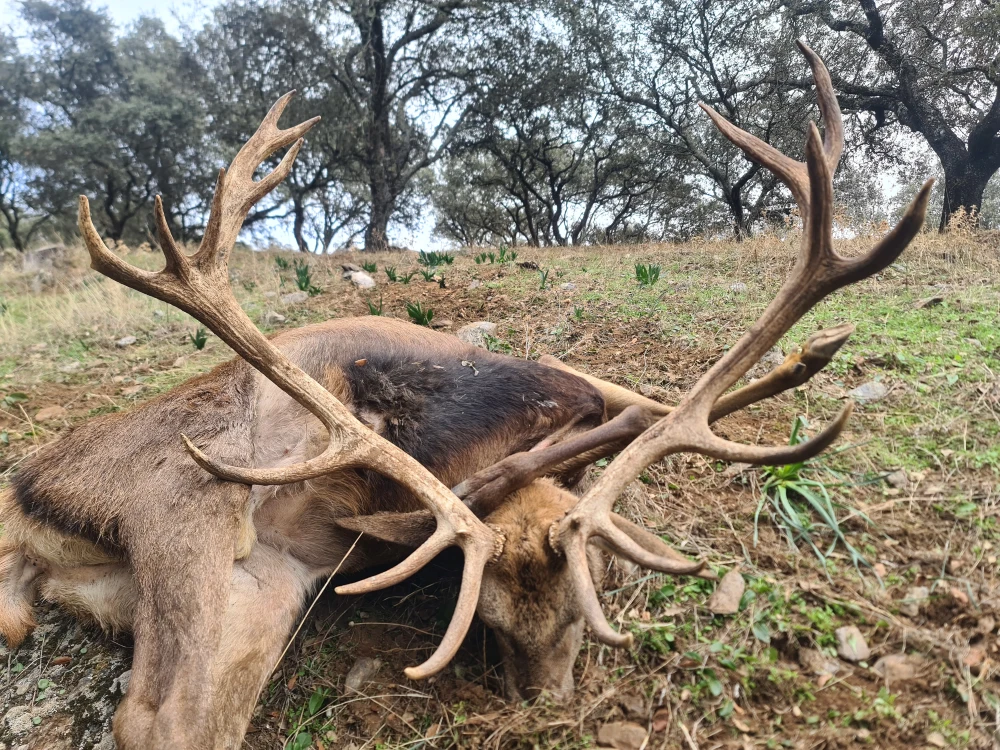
(303, 278)
(199, 338)
(390, 272)
(578, 312)
(792, 498)
(429, 274)
(647, 275)
(369, 266)
(433, 259)
(418, 314)
(13, 399)
(441, 282)
(545, 277)
(3, 307)
(373, 309)
(281, 263)
(408, 277)
(479, 259)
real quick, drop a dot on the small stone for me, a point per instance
(870, 392)
(350, 268)
(661, 720)
(51, 413)
(928, 302)
(272, 318)
(914, 599)
(294, 298)
(634, 706)
(475, 284)
(897, 479)
(986, 625)
(360, 279)
(158, 313)
(816, 662)
(898, 667)
(270, 295)
(879, 570)
(476, 333)
(621, 735)
(179, 362)
(362, 672)
(125, 341)
(121, 682)
(441, 323)
(739, 287)
(975, 658)
(851, 644)
(569, 286)
(726, 598)
(132, 390)
(959, 597)
(937, 739)
(70, 366)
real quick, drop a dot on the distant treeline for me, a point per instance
(546, 122)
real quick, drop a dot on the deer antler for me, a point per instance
(199, 285)
(818, 271)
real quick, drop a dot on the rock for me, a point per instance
(739, 287)
(661, 720)
(121, 682)
(773, 358)
(132, 390)
(361, 673)
(726, 598)
(179, 362)
(634, 706)
(914, 599)
(870, 392)
(294, 298)
(975, 658)
(816, 662)
(158, 313)
(360, 279)
(928, 302)
(476, 333)
(851, 644)
(70, 366)
(350, 268)
(622, 735)
(986, 625)
(897, 479)
(441, 323)
(270, 295)
(475, 284)
(125, 341)
(272, 318)
(51, 413)
(569, 286)
(937, 739)
(898, 667)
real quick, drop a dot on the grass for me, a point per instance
(801, 534)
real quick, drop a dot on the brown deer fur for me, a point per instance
(85, 511)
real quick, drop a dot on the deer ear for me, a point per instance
(407, 529)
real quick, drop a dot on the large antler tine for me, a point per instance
(788, 170)
(102, 259)
(623, 544)
(892, 244)
(657, 546)
(586, 595)
(829, 107)
(461, 619)
(715, 447)
(438, 542)
(176, 259)
(817, 240)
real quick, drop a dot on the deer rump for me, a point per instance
(457, 409)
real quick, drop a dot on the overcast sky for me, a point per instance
(173, 12)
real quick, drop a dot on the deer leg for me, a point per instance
(183, 568)
(264, 600)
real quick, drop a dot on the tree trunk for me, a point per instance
(964, 185)
(298, 227)
(741, 229)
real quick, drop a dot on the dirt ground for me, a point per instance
(911, 560)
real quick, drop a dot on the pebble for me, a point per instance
(897, 479)
(51, 413)
(870, 392)
(725, 600)
(360, 279)
(476, 333)
(851, 644)
(125, 341)
(273, 318)
(362, 672)
(622, 735)
(915, 597)
(739, 287)
(898, 667)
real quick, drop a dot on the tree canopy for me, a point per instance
(550, 122)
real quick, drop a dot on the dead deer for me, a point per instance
(363, 426)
